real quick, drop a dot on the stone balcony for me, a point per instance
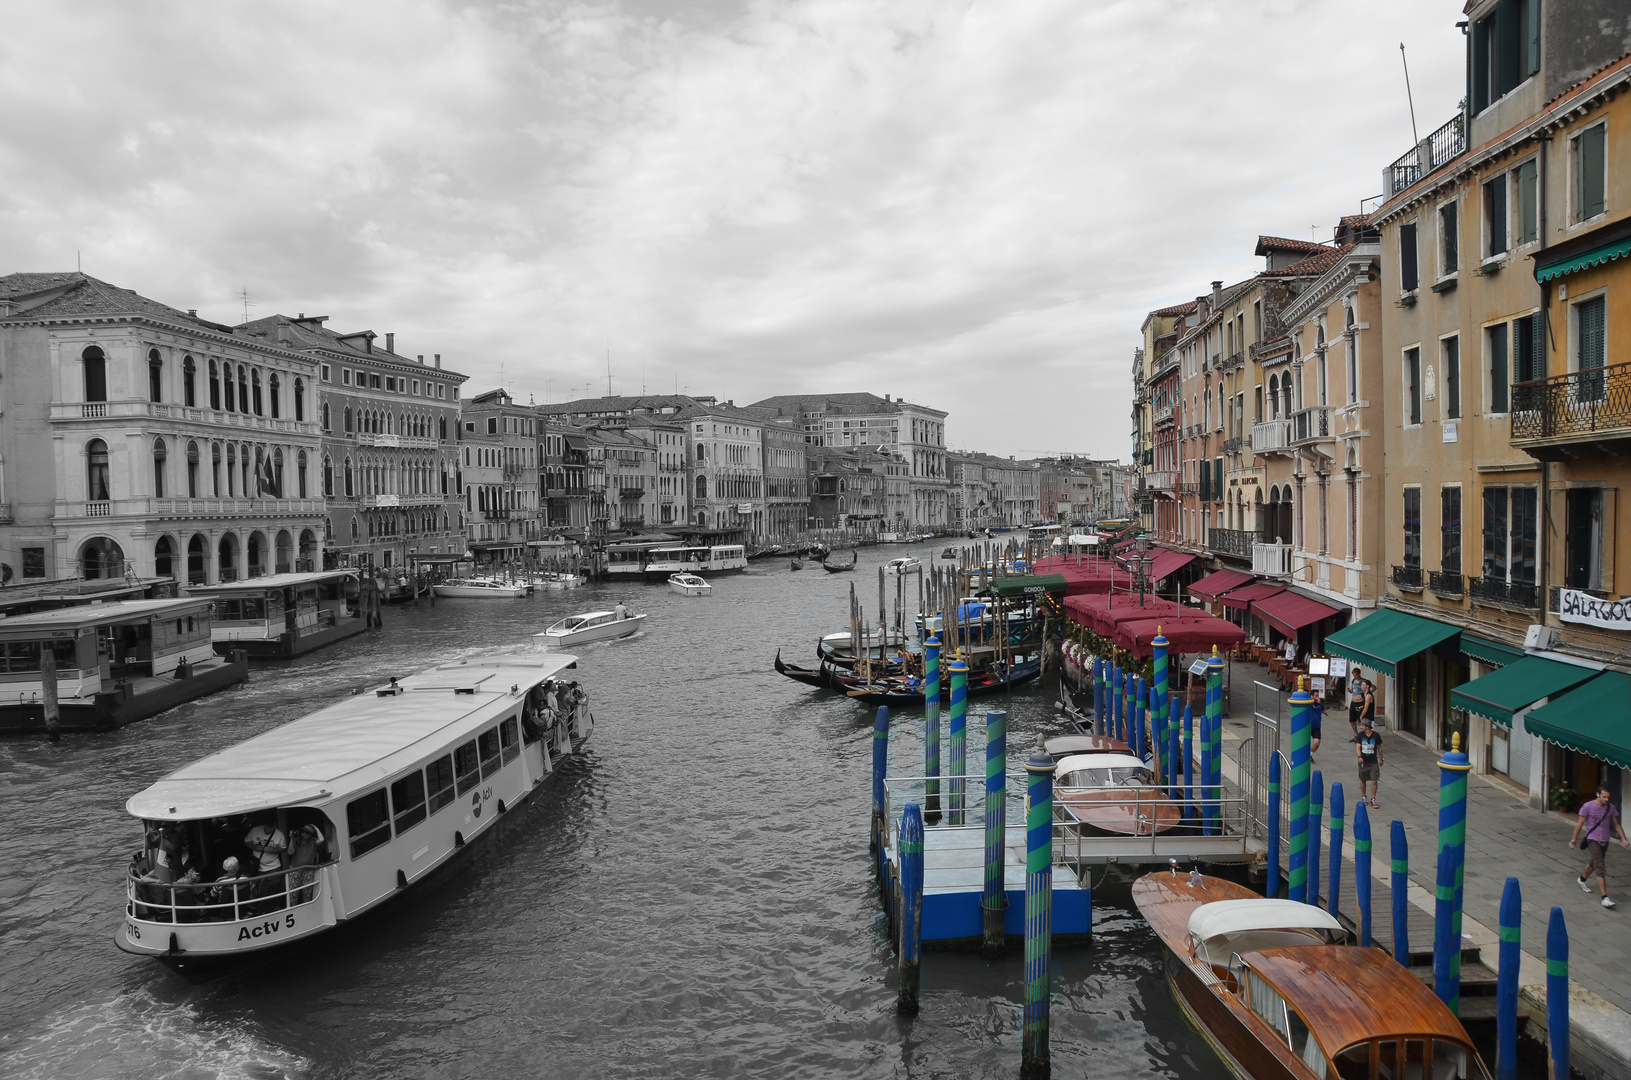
(1271, 436)
(1271, 560)
(71, 411)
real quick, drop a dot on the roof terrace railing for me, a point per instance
(1440, 147)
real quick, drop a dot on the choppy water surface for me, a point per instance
(691, 896)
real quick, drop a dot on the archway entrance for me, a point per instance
(227, 554)
(163, 557)
(198, 560)
(284, 561)
(255, 554)
(101, 557)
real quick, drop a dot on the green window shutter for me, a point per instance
(1590, 161)
(1592, 343)
(1217, 479)
(1532, 59)
(1480, 64)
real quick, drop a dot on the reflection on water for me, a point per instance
(691, 896)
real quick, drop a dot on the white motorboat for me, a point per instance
(689, 585)
(554, 580)
(589, 626)
(480, 588)
(902, 565)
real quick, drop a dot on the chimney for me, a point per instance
(302, 314)
(390, 343)
(283, 333)
(1217, 295)
(420, 358)
(438, 359)
(193, 312)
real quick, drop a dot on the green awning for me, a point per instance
(1388, 637)
(1616, 249)
(1026, 586)
(1517, 686)
(1490, 652)
(1594, 718)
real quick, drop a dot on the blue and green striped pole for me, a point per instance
(1175, 751)
(959, 738)
(1297, 875)
(1333, 880)
(1274, 826)
(1316, 815)
(910, 909)
(1034, 1059)
(1189, 762)
(1121, 703)
(1399, 855)
(1140, 696)
(1214, 732)
(1506, 982)
(1159, 647)
(880, 770)
(1098, 695)
(931, 728)
(1204, 735)
(1557, 994)
(994, 901)
(1452, 852)
(1362, 889)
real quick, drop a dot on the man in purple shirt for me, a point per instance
(1598, 818)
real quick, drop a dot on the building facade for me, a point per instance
(498, 464)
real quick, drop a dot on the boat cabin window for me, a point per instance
(1267, 1003)
(1102, 777)
(1410, 1059)
(467, 763)
(491, 762)
(25, 655)
(408, 801)
(368, 821)
(439, 779)
(241, 609)
(509, 738)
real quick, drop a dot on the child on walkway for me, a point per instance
(1598, 817)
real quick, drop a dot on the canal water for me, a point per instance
(690, 897)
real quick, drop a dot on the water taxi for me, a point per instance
(1270, 988)
(280, 616)
(1112, 794)
(115, 661)
(689, 585)
(589, 626)
(300, 829)
(902, 565)
(481, 588)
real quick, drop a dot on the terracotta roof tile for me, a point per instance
(1266, 244)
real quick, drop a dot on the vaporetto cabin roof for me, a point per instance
(269, 582)
(36, 623)
(353, 744)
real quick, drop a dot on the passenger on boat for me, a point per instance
(267, 843)
(622, 612)
(304, 853)
(226, 889)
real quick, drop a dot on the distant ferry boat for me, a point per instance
(368, 795)
(666, 561)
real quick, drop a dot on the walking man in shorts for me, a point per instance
(1368, 746)
(1598, 818)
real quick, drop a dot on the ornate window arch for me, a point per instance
(97, 488)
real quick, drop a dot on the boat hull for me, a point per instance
(116, 708)
(604, 632)
(464, 592)
(287, 646)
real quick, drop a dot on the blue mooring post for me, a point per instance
(1139, 697)
(1034, 1060)
(1362, 845)
(1557, 994)
(1316, 813)
(1158, 703)
(1333, 880)
(1273, 885)
(1114, 690)
(1399, 854)
(910, 909)
(1175, 750)
(1205, 738)
(994, 901)
(1452, 853)
(959, 738)
(1506, 982)
(880, 770)
(1124, 710)
(931, 728)
(1098, 695)
(1189, 762)
(1214, 733)
(1297, 874)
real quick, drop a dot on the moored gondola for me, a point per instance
(901, 692)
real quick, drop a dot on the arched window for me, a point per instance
(163, 554)
(243, 390)
(701, 455)
(325, 417)
(161, 455)
(328, 476)
(348, 419)
(232, 469)
(189, 387)
(255, 380)
(215, 469)
(226, 379)
(192, 469)
(300, 400)
(349, 490)
(300, 474)
(277, 472)
(96, 471)
(272, 386)
(1274, 397)
(702, 485)
(155, 376)
(215, 386)
(96, 374)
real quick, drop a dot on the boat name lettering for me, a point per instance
(265, 929)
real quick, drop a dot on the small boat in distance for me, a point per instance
(1278, 997)
(689, 585)
(836, 563)
(795, 564)
(479, 589)
(589, 626)
(902, 565)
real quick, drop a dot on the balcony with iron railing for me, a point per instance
(1271, 436)
(1232, 361)
(1574, 415)
(1232, 542)
(1234, 446)
(1407, 577)
(1438, 149)
(1165, 418)
(1448, 584)
(1271, 559)
(1310, 425)
(1513, 594)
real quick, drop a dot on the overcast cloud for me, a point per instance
(969, 204)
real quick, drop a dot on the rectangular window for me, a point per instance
(390, 383)
(1528, 195)
(1498, 370)
(1408, 263)
(1590, 176)
(323, 372)
(467, 764)
(1451, 348)
(1590, 348)
(1495, 216)
(491, 759)
(1412, 385)
(1448, 240)
(1510, 521)
(345, 376)
(416, 388)
(508, 738)
(408, 801)
(1526, 349)
(368, 822)
(1449, 503)
(33, 562)
(1412, 527)
(492, 425)
(373, 382)
(439, 779)
(1584, 539)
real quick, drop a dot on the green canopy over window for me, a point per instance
(1616, 249)
(1027, 586)
(1593, 718)
(1388, 638)
(1490, 652)
(1517, 686)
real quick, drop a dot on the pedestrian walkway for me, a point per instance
(1506, 837)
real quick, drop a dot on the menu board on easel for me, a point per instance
(1339, 667)
(1319, 665)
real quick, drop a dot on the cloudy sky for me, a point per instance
(970, 204)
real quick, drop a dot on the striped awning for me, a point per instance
(1597, 256)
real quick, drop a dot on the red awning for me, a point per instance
(1192, 633)
(1085, 573)
(1219, 582)
(1099, 614)
(1168, 562)
(1289, 612)
(1241, 599)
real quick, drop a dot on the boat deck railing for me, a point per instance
(220, 901)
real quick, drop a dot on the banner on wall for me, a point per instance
(1579, 607)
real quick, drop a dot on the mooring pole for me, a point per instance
(1272, 887)
(1557, 995)
(1362, 847)
(880, 797)
(1333, 880)
(1506, 982)
(959, 737)
(994, 902)
(931, 726)
(1139, 719)
(1098, 695)
(1316, 815)
(1175, 751)
(1034, 1059)
(48, 688)
(1297, 878)
(910, 908)
(1162, 682)
(1189, 762)
(1205, 735)
(1214, 732)
(1399, 856)
(1452, 849)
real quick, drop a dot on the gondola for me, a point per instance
(821, 676)
(982, 685)
(794, 564)
(834, 563)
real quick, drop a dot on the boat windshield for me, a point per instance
(1387, 1059)
(1112, 777)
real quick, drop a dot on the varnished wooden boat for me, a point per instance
(1279, 999)
(899, 691)
(1112, 794)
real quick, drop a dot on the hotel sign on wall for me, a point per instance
(1579, 607)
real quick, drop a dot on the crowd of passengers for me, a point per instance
(548, 704)
(227, 867)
